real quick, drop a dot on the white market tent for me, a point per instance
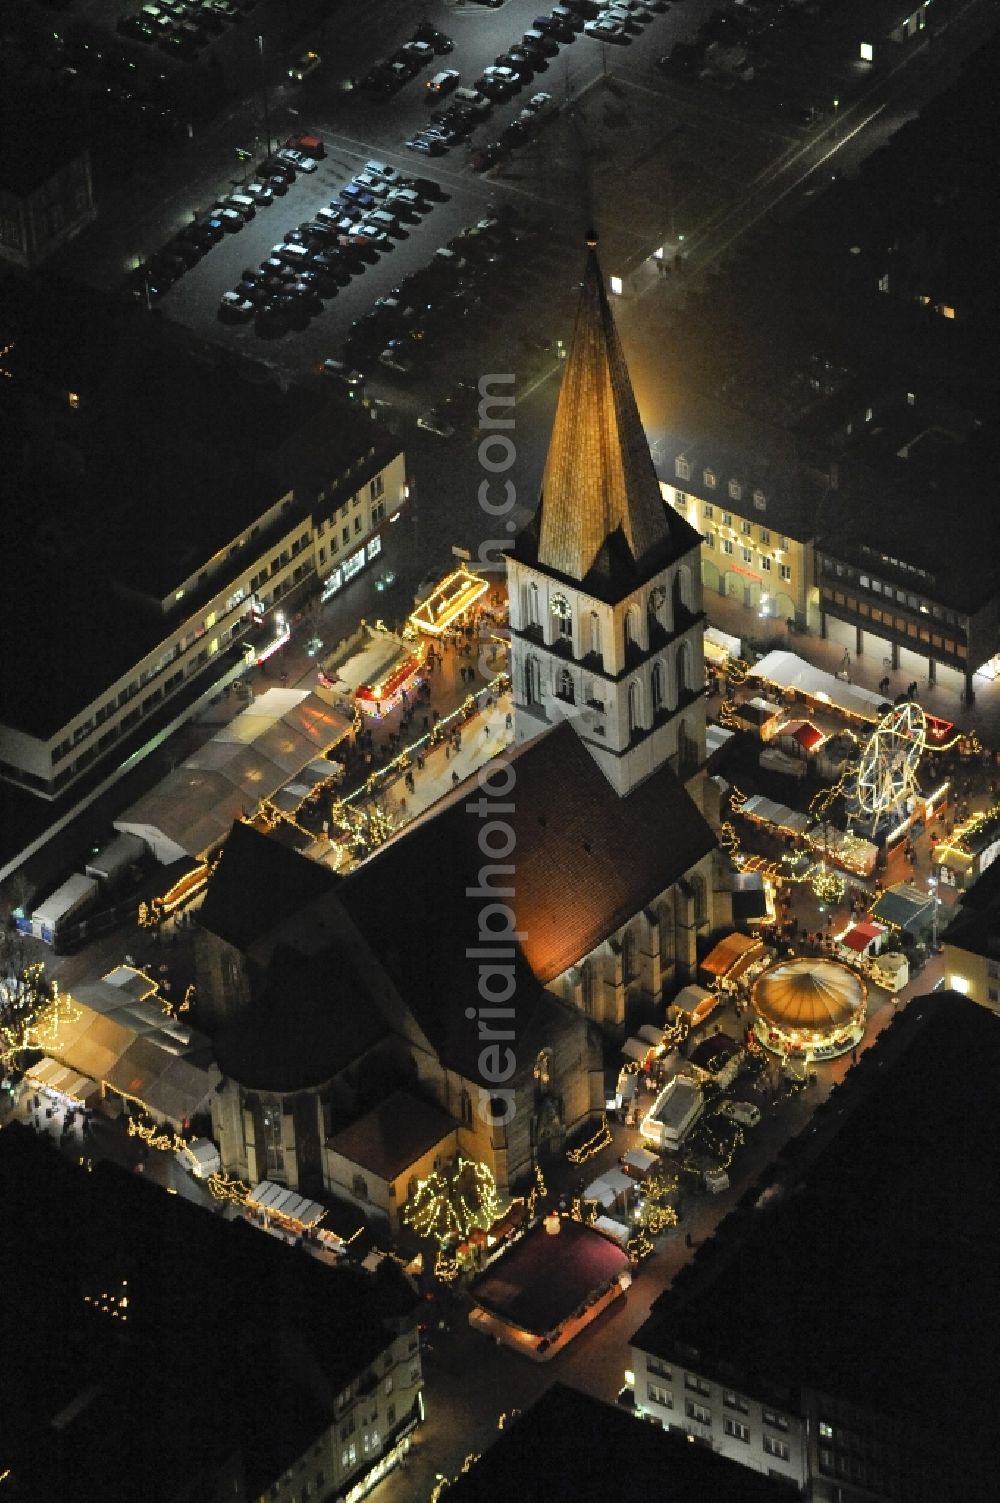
(285, 1205)
(769, 812)
(279, 739)
(600, 1191)
(784, 670)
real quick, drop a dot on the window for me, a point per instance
(709, 478)
(696, 1384)
(708, 510)
(708, 538)
(349, 1456)
(374, 548)
(765, 535)
(378, 513)
(73, 398)
(658, 1395)
(390, 1416)
(746, 528)
(376, 488)
(735, 491)
(697, 1412)
(727, 546)
(785, 571)
(630, 958)
(735, 1401)
(747, 555)
(766, 562)
(359, 1187)
(656, 687)
(358, 524)
(658, 1368)
(345, 535)
(737, 1430)
(825, 1430)
(680, 499)
(779, 1448)
(776, 1421)
(274, 1155)
(682, 469)
(759, 500)
(727, 519)
(565, 627)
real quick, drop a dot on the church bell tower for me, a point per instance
(605, 587)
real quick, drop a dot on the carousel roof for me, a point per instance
(809, 993)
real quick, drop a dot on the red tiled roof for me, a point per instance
(393, 1135)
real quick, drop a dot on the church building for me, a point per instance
(476, 967)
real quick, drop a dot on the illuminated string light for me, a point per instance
(593, 1146)
(446, 1206)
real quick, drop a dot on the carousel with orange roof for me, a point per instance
(809, 1007)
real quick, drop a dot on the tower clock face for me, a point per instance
(560, 606)
(657, 596)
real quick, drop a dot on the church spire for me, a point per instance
(601, 506)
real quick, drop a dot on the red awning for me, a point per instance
(861, 936)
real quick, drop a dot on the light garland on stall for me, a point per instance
(222, 1187)
(593, 1146)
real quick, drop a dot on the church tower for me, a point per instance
(605, 584)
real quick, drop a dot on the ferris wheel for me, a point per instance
(887, 772)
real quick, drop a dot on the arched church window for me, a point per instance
(595, 632)
(634, 707)
(679, 594)
(564, 686)
(532, 682)
(632, 626)
(700, 897)
(665, 921)
(532, 605)
(657, 687)
(630, 956)
(588, 988)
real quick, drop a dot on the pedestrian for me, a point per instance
(509, 721)
(454, 777)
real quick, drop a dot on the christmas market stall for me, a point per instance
(548, 1287)
(809, 1007)
(374, 669)
(449, 600)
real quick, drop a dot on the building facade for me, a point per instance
(208, 610)
(36, 217)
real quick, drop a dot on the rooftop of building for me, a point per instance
(166, 463)
(393, 1135)
(569, 1447)
(567, 820)
(543, 1279)
(873, 1269)
(156, 1320)
(975, 922)
(600, 520)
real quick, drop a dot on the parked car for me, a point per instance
(232, 305)
(434, 422)
(384, 172)
(298, 159)
(230, 219)
(303, 66)
(344, 374)
(442, 83)
(426, 187)
(309, 143)
(420, 52)
(440, 43)
(423, 143)
(261, 194)
(605, 30)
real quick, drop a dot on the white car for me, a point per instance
(372, 184)
(259, 193)
(431, 423)
(506, 75)
(230, 219)
(605, 30)
(386, 173)
(541, 104)
(297, 159)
